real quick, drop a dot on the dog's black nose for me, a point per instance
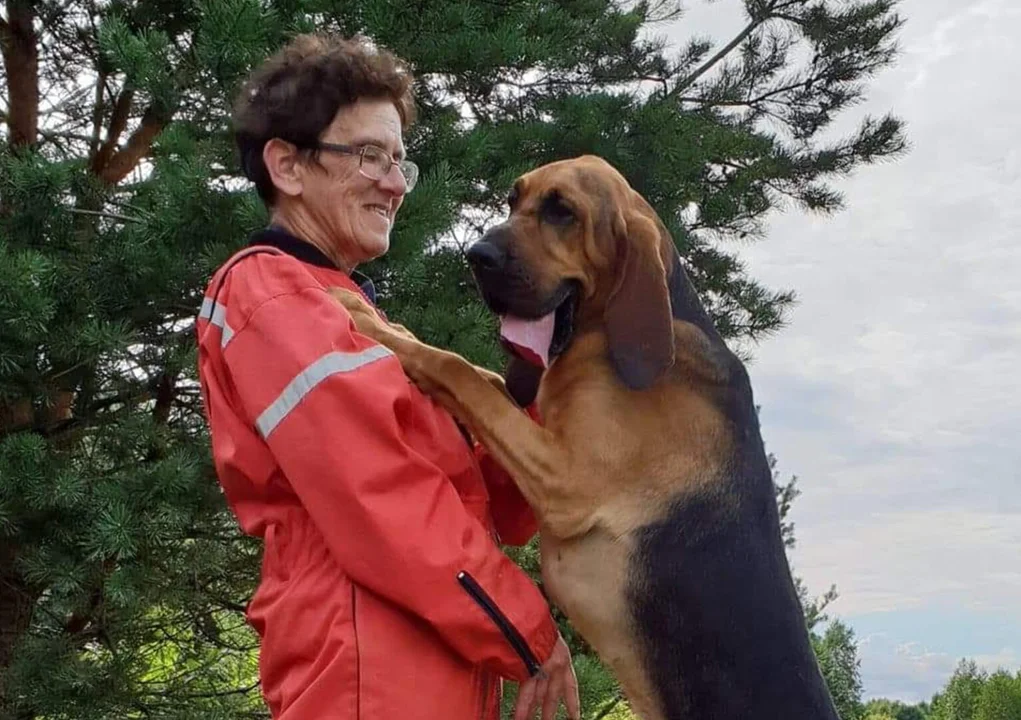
(485, 255)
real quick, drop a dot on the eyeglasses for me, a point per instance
(375, 162)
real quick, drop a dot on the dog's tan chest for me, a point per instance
(586, 578)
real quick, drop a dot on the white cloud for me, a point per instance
(895, 394)
(907, 339)
(907, 672)
(893, 560)
(912, 672)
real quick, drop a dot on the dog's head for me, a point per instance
(582, 245)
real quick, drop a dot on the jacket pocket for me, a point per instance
(511, 633)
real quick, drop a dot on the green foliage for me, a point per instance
(883, 709)
(1000, 698)
(969, 694)
(973, 694)
(837, 653)
(959, 698)
(123, 578)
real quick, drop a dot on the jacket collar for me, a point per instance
(306, 252)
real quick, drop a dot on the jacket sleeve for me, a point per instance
(514, 518)
(331, 404)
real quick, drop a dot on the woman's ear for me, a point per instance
(283, 164)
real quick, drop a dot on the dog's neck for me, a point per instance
(685, 303)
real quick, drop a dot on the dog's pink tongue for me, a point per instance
(529, 338)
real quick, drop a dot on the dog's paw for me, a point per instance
(351, 300)
(366, 319)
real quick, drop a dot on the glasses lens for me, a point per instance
(375, 162)
(410, 172)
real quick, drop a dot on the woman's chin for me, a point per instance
(375, 245)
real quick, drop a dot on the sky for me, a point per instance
(894, 393)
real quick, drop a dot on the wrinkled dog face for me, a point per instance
(582, 245)
(555, 242)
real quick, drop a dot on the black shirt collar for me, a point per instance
(306, 252)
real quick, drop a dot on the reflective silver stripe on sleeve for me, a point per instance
(306, 381)
(217, 317)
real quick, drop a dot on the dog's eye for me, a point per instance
(512, 197)
(555, 212)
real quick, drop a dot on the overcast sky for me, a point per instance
(895, 393)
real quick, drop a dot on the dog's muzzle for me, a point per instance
(508, 291)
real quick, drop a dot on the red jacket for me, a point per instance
(384, 594)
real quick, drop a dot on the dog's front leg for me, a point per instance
(532, 455)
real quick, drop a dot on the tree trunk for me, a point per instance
(21, 60)
(17, 601)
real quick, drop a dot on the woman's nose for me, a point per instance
(394, 181)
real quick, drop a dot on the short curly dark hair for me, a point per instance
(296, 93)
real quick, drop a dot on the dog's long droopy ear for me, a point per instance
(639, 323)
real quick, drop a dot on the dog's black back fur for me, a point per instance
(710, 586)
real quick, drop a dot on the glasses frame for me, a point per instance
(408, 169)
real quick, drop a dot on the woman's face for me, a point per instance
(349, 211)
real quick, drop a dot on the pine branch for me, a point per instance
(219, 693)
(608, 708)
(79, 621)
(21, 60)
(15, 415)
(97, 114)
(804, 84)
(154, 119)
(709, 64)
(161, 410)
(769, 12)
(126, 159)
(188, 674)
(90, 417)
(118, 121)
(164, 397)
(109, 215)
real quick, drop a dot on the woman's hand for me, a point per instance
(555, 681)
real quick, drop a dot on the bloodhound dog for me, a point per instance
(660, 536)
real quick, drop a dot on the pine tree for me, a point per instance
(122, 576)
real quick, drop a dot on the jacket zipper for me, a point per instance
(509, 631)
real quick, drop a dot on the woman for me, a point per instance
(383, 591)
